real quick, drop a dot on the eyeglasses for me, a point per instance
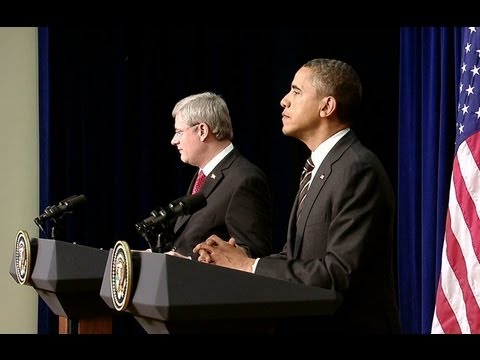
(179, 133)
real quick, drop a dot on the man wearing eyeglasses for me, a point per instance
(237, 192)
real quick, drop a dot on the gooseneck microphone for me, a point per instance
(163, 217)
(55, 212)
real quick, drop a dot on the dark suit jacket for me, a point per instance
(238, 205)
(344, 239)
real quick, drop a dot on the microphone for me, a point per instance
(163, 217)
(65, 206)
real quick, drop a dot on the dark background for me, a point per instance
(106, 95)
(112, 91)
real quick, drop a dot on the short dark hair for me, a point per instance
(338, 79)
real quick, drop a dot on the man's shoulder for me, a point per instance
(246, 165)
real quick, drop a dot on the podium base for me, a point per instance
(93, 325)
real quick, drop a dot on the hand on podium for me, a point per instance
(224, 253)
(177, 254)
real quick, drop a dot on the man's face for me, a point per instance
(186, 140)
(301, 106)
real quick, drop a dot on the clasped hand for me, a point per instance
(223, 253)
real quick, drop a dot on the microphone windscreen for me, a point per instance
(74, 201)
(192, 203)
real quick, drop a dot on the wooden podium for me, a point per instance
(175, 295)
(68, 278)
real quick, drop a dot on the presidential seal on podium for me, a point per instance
(23, 257)
(121, 275)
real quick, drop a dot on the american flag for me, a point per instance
(457, 308)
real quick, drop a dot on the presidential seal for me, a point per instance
(23, 257)
(121, 275)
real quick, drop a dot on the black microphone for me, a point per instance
(186, 205)
(65, 206)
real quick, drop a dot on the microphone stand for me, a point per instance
(159, 242)
(56, 230)
(164, 241)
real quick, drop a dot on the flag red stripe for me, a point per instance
(458, 293)
(467, 206)
(474, 146)
(446, 316)
(473, 143)
(457, 263)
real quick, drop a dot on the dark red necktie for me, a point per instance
(199, 182)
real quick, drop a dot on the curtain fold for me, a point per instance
(47, 321)
(106, 99)
(429, 64)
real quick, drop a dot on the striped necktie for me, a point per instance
(305, 183)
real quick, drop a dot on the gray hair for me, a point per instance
(208, 108)
(338, 79)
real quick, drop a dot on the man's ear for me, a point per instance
(203, 131)
(327, 106)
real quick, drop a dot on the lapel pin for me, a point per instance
(213, 176)
(322, 176)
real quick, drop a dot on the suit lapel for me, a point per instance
(216, 176)
(211, 182)
(322, 175)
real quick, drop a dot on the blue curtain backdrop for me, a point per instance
(106, 96)
(46, 322)
(429, 68)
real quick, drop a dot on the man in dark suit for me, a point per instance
(237, 192)
(340, 233)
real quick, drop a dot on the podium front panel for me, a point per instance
(171, 289)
